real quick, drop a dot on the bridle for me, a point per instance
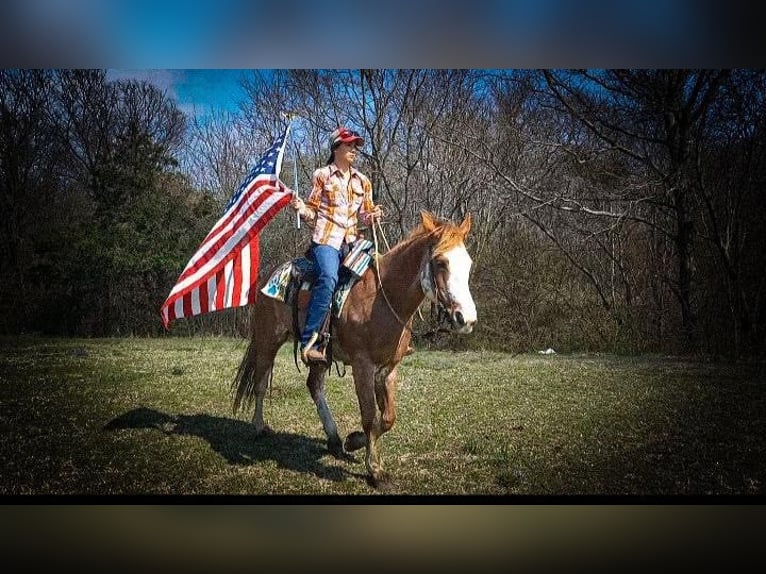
(434, 288)
(431, 288)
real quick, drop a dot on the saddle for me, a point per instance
(292, 282)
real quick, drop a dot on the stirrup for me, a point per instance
(313, 355)
(310, 354)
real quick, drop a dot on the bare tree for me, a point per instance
(728, 177)
(397, 112)
(653, 117)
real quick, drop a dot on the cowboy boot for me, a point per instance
(310, 354)
(313, 355)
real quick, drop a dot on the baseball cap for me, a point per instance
(343, 135)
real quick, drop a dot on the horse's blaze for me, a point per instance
(463, 311)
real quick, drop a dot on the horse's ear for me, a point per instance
(465, 227)
(428, 221)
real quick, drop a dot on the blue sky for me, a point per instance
(302, 34)
(196, 91)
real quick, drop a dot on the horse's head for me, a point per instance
(445, 271)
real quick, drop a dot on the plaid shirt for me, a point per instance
(335, 205)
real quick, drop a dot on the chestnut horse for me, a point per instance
(372, 333)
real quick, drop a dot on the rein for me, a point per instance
(430, 332)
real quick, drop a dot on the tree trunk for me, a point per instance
(684, 240)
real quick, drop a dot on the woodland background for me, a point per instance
(614, 210)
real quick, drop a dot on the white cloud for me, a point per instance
(197, 93)
(165, 80)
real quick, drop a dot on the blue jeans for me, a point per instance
(327, 261)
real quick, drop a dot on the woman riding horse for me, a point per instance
(340, 194)
(372, 333)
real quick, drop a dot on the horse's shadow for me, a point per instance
(236, 440)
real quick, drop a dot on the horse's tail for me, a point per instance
(243, 385)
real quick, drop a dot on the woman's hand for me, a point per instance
(297, 204)
(375, 215)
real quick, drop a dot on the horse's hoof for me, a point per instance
(265, 431)
(336, 449)
(381, 481)
(355, 441)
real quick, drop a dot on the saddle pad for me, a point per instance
(288, 278)
(279, 280)
(358, 259)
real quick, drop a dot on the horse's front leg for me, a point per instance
(315, 383)
(364, 382)
(385, 394)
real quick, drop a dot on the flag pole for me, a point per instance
(290, 116)
(295, 184)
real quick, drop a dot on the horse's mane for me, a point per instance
(446, 235)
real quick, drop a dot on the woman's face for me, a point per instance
(347, 151)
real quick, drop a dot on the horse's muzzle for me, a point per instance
(460, 324)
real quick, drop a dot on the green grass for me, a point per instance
(153, 416)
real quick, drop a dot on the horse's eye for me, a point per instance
(441, 264)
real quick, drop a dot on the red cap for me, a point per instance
(343, 135)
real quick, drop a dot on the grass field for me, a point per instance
(153, 416)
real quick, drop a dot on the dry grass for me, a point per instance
(153, 416)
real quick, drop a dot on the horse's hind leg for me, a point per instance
(254, 373)
(315, 383)
(262, 375)
(259, 372)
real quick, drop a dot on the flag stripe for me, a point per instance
(228, 282)
(234, 220)
(195, 306)
(178, 310)
(222, 242)
(210, 283)
(225, 251)
(242, 267)
(218, 254)
(187, 304)
(219, 291)
(253, 265)
(236, 286)
(193, 281)
(224, 268)
(234, 216)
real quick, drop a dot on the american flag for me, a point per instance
(223, 273)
